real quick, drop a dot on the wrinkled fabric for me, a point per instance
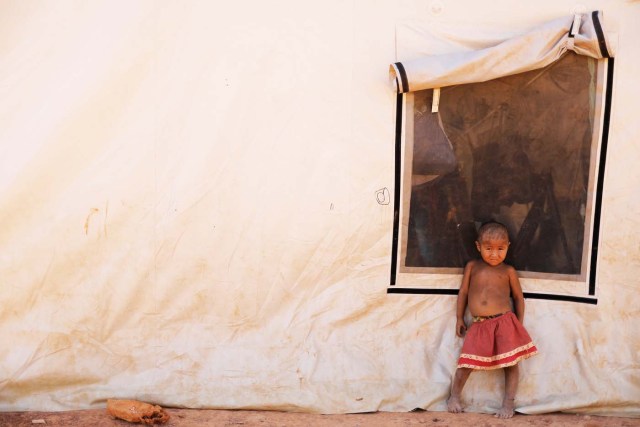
(189, 215)
(536, 49)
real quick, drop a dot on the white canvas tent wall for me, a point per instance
(190, 212)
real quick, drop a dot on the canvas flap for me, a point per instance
(532, 50)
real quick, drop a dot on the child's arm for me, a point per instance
(516, 294)
(461, 328)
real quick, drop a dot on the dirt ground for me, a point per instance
(225, 418)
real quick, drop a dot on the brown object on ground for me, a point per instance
(227, 418)
(137, 412)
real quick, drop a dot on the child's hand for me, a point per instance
(461, 328)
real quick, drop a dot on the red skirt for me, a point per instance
(496, 343)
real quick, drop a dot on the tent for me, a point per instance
(207, 204)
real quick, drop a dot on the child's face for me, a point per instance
(493, 250)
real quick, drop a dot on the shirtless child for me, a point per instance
(496, 339)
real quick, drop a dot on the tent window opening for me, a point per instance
(522, 150)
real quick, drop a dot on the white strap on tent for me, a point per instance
(436, 100)
(575, 29)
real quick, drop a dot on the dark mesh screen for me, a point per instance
(517, 150)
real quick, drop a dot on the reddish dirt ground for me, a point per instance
(225, 418)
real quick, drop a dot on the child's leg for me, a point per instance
(511, 377)
(459, 379)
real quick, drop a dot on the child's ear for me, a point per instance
(478, 246)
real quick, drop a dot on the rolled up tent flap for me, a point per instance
(530, 51)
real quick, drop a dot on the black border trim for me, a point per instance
(403, 76)
(396, 188)
(530, 295)
(422, 291)
(597, 209)
(600, 183)
(571, 36)
(601, 40)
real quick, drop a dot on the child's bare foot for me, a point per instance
(507, 409)
(454, 405)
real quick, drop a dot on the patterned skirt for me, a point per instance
(496, 342)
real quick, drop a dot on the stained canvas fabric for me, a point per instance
(196, 210)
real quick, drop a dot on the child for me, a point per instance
(496, 339)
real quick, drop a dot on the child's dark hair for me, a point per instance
(492, 230)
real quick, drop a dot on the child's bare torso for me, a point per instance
(489, 289)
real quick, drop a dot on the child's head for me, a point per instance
(493, 243)
(493, 230)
